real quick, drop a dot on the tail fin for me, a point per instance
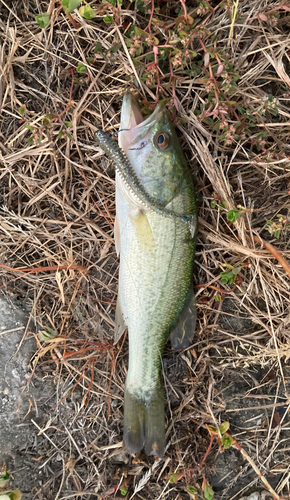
(144, 424)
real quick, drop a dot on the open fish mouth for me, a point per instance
(132, 124)
(131, 115)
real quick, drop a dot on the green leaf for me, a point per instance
(42, 20)
(233, 215)
(212, 429)
(115, 47)
(81, 68)
(70, 136)
(149, 57)
(227, 277)
(5, 476)
(174, 478)
(11, 494)
(224, 427)
(217, 126)
(108, 19)
(46, 122)
(29, 141)
(87, 12)
(228, 265)
(236, 270)
(208, 492)
(140, 32)
(213, 203)
(98, 48)
(138, 63)
(123, 491)
(209, 120)
(4, 479)
(47, 334)
(227, 442)
(191, 491)
(22, 110)
(163, 54)
(70, 5)
(68, 124)
(217, 298)
(141, 6)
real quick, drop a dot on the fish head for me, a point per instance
(153, 149)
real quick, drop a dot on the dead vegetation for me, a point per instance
(57, 251)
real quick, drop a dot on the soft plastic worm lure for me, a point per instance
(129, 177)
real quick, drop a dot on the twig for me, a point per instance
(185, 10)
(233, 21)
(30, 270)
(254, 467)
(275, 252)
(151, 16)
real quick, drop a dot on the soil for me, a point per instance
(23, 404)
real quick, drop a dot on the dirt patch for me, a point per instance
(21, 401)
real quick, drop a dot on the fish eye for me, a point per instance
(161, 140)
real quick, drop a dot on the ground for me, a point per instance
(224, 69)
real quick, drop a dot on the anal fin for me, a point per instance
(182, 332)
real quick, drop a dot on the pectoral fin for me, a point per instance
(120, 325)
(142, 228)
(183, 331)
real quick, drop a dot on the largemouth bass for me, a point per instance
(155, 234)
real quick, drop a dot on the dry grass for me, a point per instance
(57, 212)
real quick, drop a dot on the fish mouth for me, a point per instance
(132, 124)
(131, 115)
